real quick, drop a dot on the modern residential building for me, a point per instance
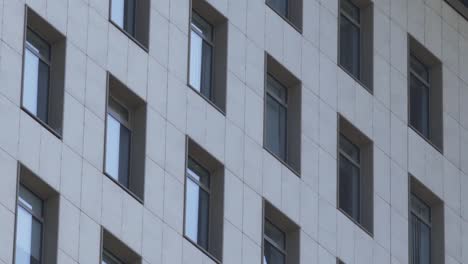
(233, 131)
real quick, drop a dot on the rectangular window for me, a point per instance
(203, 201)
(29, 228)
(197, 203)
(350, 178)
(280, 6)
(118, 142)
(276, 118)
(123, 14)
(420, 230)
(275, 244)
(114, 251)
(419, 97)
(350, 38)
(36, 75)
(355, 175)
(201, 55)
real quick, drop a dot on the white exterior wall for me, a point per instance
(88, 199)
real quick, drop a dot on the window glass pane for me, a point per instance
(118, 12)
(280, 6)
(35, 85)
(419, 106)
(112, 147)
(351, 10)
(28, 238)
(349, 183)
(272, 255)
(198, 173)
(30, 201)
(276, 128)
(196, 214)
(201, 26)
(350, 47)
(130, 17)
(420, 208)
(206, 70)
(124, 156)
(119, 110)
(350, 149)
(275, 234)
(420, 241)
(37, 45)
(425, 244)
(420, 69)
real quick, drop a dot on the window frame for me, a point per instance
(420, 219)
(343, 13)
(205, 189)
(127, 124)
(270, 241)
(282, 104)
(427, 85)
(40, 219)
(211, 43)
(345, 155)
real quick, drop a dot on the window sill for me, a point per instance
(44, 124)
(287, 20)
(356, 222)
(366, 87)
(283, 162)
(125, 189)
(207, 100)
(208, 254)
(143, 47)
(426, 139)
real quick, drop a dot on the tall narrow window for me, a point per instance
(419, 96)
(356, 40)
(115, 251)
(350, 178)
(350, 38)
(275, 244)
(425, 112)
(355, 175)
(43, 72)
(29, 228)
(420, 231)
(204, 196)
(201, 55)
(123, 14)
(197, 203)
(36, 75)
(118, 142)
(125, 138)
(276, 117)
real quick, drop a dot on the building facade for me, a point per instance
(234, 131)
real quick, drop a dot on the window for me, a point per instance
(132, 17)
(29, 227)
(355, 40)
(425, 94)
(355, 181)
(282, 114)
(277, 109)
(204, 201)
(420, 231)
(36, 220)
(115, 251)
(207, 56)
(197, 202)
(280, 237)
(275, 244)
(426, 225)
(461, 6)
(125, 138)
(290, 10)
(43, 72)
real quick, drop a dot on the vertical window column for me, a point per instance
(420, 231)
(276, 118)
